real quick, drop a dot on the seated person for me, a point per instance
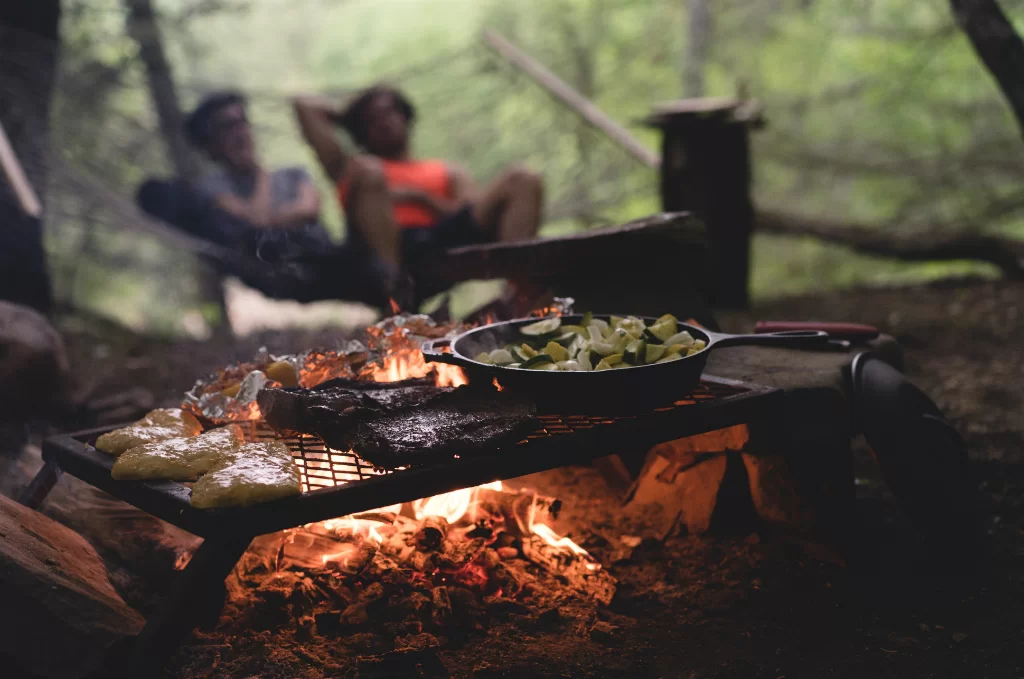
(269, 214)
(280, 206)
(401, 207)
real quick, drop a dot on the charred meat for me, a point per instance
(292, 411)
(397, 424)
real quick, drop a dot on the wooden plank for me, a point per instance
(26, 195)
(666, 234)
(570, 97)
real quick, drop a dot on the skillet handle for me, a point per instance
(792, 339)
(431, 354)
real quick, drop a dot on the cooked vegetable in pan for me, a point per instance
(595, 344)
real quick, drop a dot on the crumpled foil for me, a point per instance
(350, 359)
(206, 398)
(563, 305)
(251, 385)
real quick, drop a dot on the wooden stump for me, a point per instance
(705, 169)
(60, 614)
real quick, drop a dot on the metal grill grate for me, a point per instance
(324, 467)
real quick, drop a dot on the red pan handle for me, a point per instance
(843, 331)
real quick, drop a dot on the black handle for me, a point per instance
(431, 354)
(792, 339)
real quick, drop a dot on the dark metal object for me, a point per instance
(607, 391)
(922, 457)
(336, 484)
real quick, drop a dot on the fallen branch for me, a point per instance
(1005, 253)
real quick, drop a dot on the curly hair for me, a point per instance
(354, 117)
(199, 123)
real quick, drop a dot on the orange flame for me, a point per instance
(403, 360)
(395, 309)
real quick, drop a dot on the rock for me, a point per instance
(56, 596)
(605, 633)
(33, 365)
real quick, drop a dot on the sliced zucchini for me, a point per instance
(675, 349)
(670, 357)
(602, 365)
(620, 339)
(664, 328)
(544, 366)
(654, 352)
(556, 351)
(484, 357)
(501, 357)
(613, 359)
(635, 353)
(571, 366)
(578, 329)
(565, 339)
(527, 351)
(536, 361)
(545, 326)
(651, 337)
(602, 348)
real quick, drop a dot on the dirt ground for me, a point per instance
(723, 606)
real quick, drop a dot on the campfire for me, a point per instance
(437, 562)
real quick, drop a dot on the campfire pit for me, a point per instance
(449, 522)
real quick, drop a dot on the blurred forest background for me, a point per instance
(879, 115)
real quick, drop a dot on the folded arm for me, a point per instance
(303, 210)
(317, 117)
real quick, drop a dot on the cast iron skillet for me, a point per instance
(607, 391)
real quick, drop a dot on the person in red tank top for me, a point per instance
(400, 207)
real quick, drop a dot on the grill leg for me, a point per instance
(36, 491)
(192, 593)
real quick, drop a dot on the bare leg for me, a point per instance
(511, 206)
(368, 209)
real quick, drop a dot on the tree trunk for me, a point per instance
(997, 45)
(28, 59)
(143, 28)
(698, 43)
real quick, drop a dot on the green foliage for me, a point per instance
(878, 112)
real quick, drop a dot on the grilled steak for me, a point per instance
(290, 411)
(460, 422)
(396, 424)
